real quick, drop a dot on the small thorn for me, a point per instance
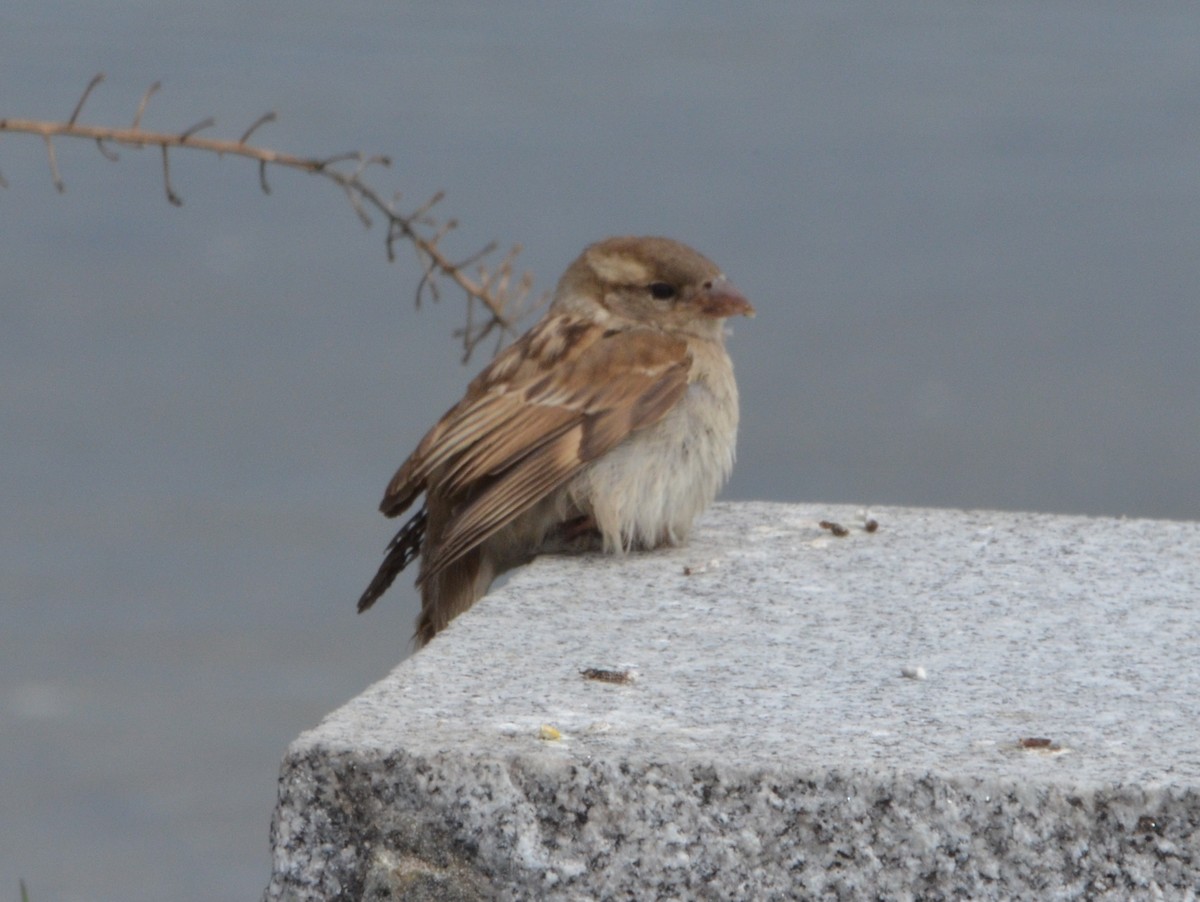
(174, 199)
(261, 120)
(110, 155)
(96, 79)
(54, 174)
(150, 91)
(202, 124)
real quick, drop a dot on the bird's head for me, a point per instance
(653, 281)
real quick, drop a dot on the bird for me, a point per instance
(610, 425)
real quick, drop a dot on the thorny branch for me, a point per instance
(502, 299)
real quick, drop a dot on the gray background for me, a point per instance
(970, 232)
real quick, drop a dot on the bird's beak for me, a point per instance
(721, 299)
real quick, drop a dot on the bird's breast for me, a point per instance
(647, 491)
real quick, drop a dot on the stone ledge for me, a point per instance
(767, 743)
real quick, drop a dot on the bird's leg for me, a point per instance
(574, 536)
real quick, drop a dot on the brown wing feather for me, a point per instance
(459, 428)
(518, 490)
(530, 438)
(501, 447)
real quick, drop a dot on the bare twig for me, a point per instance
(503, 299)
(202, 124)
(110, 155)
(174, 198)
(150, 91)
(54, 174)
(96, 79)
(261, 120)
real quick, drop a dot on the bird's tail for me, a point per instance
(400, 553)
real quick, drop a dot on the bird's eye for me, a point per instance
(662, 291)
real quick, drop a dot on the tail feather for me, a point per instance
(400, 553)
(448, 593)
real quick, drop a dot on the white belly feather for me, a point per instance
(647, 491)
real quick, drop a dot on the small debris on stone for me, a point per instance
(601, 675)
(1041, 745)
(1037, 742)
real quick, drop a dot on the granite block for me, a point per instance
(956, 704)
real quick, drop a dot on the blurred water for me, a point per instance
(969, 231)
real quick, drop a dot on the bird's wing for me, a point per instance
(564, 395)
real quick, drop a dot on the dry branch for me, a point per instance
(492, 288)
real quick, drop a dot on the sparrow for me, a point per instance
(609, 425)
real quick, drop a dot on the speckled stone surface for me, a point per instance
(805, 716)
